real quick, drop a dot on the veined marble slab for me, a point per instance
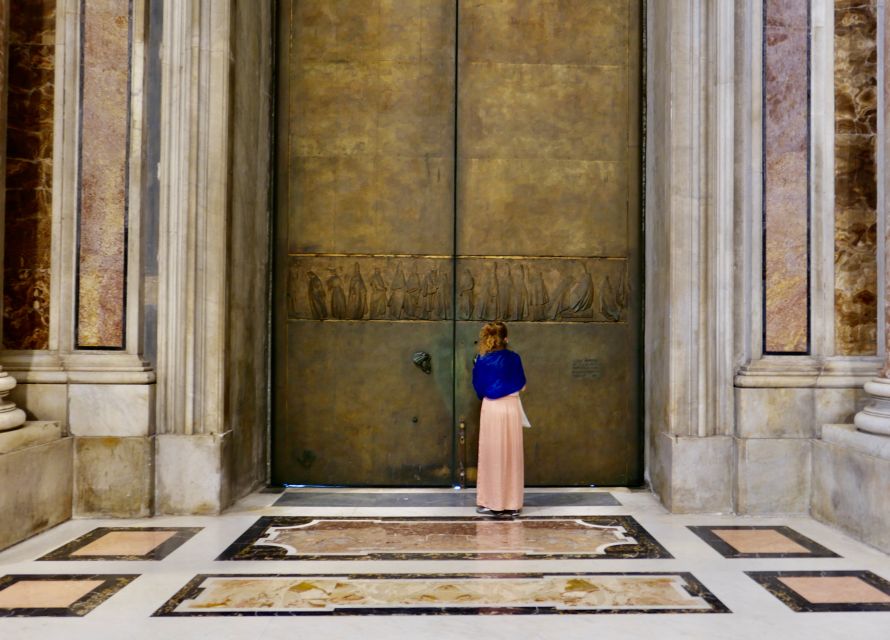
(320, 538)
(251, 595)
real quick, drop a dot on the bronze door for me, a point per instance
(379, 248)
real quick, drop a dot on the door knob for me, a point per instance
(423, 361)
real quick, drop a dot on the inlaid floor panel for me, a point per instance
(770, 541)
(250, 594)
(124, 543)
(815, 591)
(55, 595)
(454, 538)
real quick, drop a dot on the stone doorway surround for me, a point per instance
(202, 410)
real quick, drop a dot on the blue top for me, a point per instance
(497, 374)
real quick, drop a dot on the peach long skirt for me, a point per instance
(500, 476)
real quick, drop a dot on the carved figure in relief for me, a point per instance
(338, 298)
(357, 303)
(397, 294)
(505, 294)
(378, 295)
(489, 307)
(519, 303)
(412, 295)
(430, 295)
(582, 296)
(293, 291)
(443, 296)
(610, 305)
(317, 297)
(538, 298)
(467, 294)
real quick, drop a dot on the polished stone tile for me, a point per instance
(760, 542)
(307, 538)
(124, 543)
(815, 591)
(442, 594)
(57, 595)
(299, 498)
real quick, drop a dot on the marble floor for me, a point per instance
(348, 564)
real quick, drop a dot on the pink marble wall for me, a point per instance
(855, 66)
(29, 166)
(786, 189)
(101, 281)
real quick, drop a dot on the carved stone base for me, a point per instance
(875, 418)
(10, 416)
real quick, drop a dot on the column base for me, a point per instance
(875, 418)
(193, 474)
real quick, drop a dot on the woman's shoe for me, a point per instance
(485, 511)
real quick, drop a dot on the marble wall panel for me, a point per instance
(101, 281)
(855, 72)
(29, 160)
(786, 176)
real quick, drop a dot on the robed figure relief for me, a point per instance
(466, 294)
(317, 297)
(397, 294)
(378, 296)
(489, 307)
(538, 298)
(357, 302)
(338, 297)
(412, 295)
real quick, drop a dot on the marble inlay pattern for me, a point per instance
(855, 72)
(820, 591)
(29, 168)
(786, 176)
(103, 182)
(767, 541)
(57, 596)
(124, 543)
(234, 595)
(307, 538)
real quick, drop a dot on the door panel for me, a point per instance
(365, 243)
(548, 225)
(366, 415)
(383, 252)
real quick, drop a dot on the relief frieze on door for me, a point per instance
(369, 288)
(420, 288)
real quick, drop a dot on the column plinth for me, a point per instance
(11, 417)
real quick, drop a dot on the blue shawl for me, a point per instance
(498, 374)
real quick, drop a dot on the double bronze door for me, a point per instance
(442, 164)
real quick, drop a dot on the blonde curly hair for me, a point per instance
(493, 337)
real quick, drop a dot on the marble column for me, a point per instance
(10, 416)
(875, 417)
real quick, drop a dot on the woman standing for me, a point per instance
(498, 378)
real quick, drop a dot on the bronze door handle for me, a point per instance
(423, 361)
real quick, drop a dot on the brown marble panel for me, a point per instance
(786, 189)
(29, 155)
(103, 181)
(855, 71)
